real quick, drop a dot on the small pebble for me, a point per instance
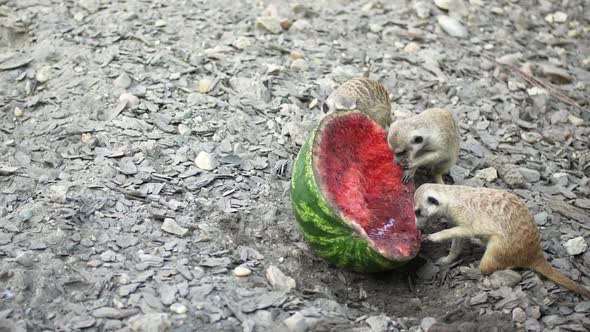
(205, 161)
(518, 315)
(271, 24)
(422, 9)
(160, 23)
(273, 69)
(242, 43)
(183, 129)
(299, 65)
(178, 308)
(123, 81)
(452, 26)
(488, 174)
(131, 100)
(26, 214)
(575, 246)
(174, 76)
(58, 193)
(560, 179)
(501, 278)
(427, 323)
(285, 24)
(170, 226)
(541, 218)
(530, 175)
(43, 74)
(296, 55)
(412, 47)
(576, 121)
(242, 271)
(18, 112)
(205, 85)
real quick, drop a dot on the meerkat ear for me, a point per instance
(418, 139)
(432, 200)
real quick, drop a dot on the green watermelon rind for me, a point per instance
(324, 227)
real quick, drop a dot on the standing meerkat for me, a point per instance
(364, 95)
(429, 139)
(496, 217)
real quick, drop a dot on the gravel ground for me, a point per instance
(146, 150)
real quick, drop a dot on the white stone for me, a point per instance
(58, 193)
(183, 129)
(559, 17)
(123, 81)
(427, 323)
(160, 23)
(575, 246)
(560, 179)
(205, 85)
(170, 226)
(270, 24)
(422, 9)
(18, 112)
(488, 174)
(131, 100)
(452, 26)
(279, 280)
(274, 69)
(153, 322)
(242, 271)
(576, 121)
(43, 74)
(299, 65)
(518, 315)
(412, 47)
(178, 308)
(205, 161)
(242, 43)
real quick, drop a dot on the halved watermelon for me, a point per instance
(348, 197)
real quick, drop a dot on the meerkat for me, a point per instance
(496, 217)
(429, 139)
(364, 95)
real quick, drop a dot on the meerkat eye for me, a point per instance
(418, 139)
(432, 200)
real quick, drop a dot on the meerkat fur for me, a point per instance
(364, 95)
(498, 218)
(429, 139)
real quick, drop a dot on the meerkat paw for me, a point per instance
(433, 237)
(408, 175)
(445, 260)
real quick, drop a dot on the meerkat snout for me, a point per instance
(427, 205)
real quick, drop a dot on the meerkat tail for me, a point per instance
(557, 277)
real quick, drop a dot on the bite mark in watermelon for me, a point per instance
(348, 197)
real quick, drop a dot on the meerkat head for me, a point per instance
(428, 204)
(339, 102)
(405, 142)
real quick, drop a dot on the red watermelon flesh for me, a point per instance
(358, 175)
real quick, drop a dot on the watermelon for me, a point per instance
(348, 198)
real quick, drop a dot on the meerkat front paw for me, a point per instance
(434, 237)
(408, 175)
(445, 260)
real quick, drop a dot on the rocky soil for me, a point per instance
(146, 150)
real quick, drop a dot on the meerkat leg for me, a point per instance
(451, 233)
(438, 178)
(489, 262)
(456, 248)
(428, 158)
